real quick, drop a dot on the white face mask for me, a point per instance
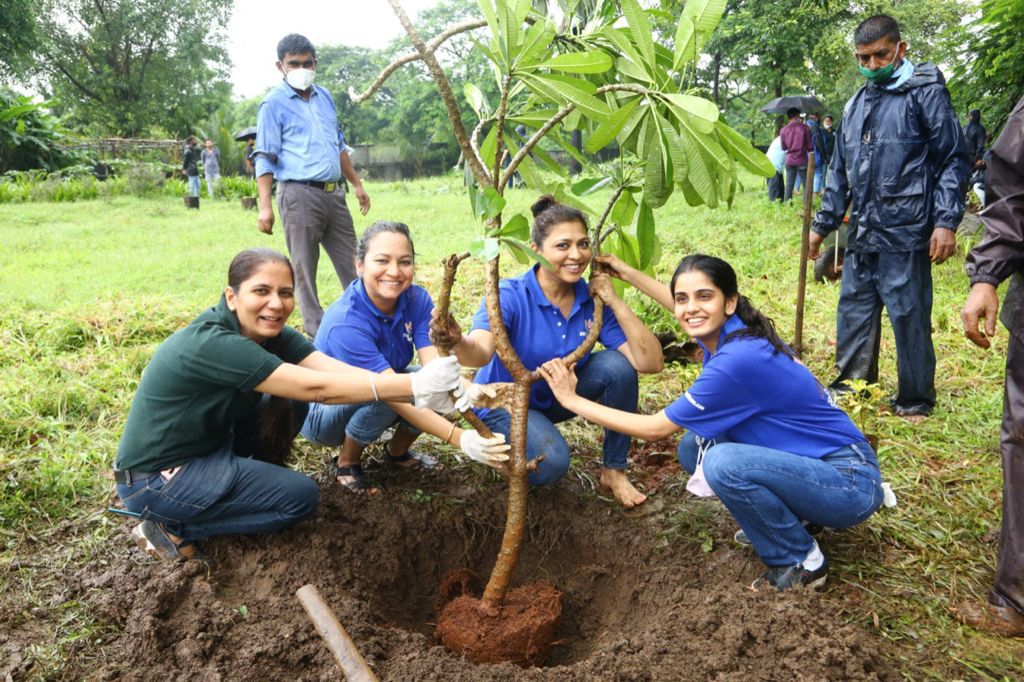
(300, 79)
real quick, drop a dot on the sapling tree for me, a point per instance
(604, 72)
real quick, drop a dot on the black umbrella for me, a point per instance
(780, 105)
(246, 134)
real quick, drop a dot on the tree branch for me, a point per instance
(445, 88)
(399, 62)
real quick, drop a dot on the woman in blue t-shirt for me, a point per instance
(220, 396)
(763, 434)
(378, 324)
(548, 313)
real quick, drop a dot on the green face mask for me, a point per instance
(882, 74)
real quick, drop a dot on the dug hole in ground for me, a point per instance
(634, 607)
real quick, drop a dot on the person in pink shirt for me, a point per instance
(796, 141)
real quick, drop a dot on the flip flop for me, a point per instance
(357, 485)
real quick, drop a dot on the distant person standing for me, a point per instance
(211, 166)
(900, 168)
(818, 140)
(829, 138)
(190, 165)
(299, 143)
(777, 156)
(998, 256)
(248, 164)
(974, 133)
(796, 141)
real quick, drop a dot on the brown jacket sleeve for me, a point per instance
(1001, 250)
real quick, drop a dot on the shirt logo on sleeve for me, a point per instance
(408, 331)
(693, 402)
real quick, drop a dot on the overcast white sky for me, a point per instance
(257, 25)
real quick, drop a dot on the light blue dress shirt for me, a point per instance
(298, 139)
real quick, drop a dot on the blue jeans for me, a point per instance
(223, 494)
(769, 492)
(193, 185)
(363, 422)
(608, 379)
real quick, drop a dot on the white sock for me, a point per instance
(814, 558)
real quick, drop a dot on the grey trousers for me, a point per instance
(1008, 589)
(312, 217)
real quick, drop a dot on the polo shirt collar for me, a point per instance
(732, 323)
(364, 298)
(580, 290)
(290, 91)
(226, 316)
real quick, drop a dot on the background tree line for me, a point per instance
(158, 68)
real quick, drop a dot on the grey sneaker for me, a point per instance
(783, 578)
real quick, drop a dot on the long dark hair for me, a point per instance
(723, 276)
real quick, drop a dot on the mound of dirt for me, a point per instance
(630, 610)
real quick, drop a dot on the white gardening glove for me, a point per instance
(484, 450)
(471, 393)
(432, 385)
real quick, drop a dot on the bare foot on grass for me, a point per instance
(913, 418)
(627, 495)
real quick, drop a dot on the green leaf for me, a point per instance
(518, 247)
(518, 227)
(563, 196)
(630, 69)
(624, 209)
(620, 38)
(560, 89)
(698, 106)
(592, 61)
(676, 153)
(589, 186)
(684, 43)
(538, 38)
(606, 132)
(705, 15)
(740, 149)
(640, 30)
(489, 147)
(657, 186)
(645, 234)
(476, 100)
(486, 203)
(484, 248)
(487, 9)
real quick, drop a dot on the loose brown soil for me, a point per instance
(635, 606)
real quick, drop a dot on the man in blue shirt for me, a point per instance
(299, 143)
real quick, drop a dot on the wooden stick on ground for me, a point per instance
(337, 640)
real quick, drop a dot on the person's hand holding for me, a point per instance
(470, 393)
(364, 200)
(982, 302)
(614, 266)
(432, 386)
(266, 220)
(943, 244)
(445, 334)
(561, 379)
(601, 287)
(484, 450)
(814, 246)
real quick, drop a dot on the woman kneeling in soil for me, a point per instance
(548, 314)
(203, 407)
(378, 324)
(772, 444)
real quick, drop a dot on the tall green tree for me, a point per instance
(125, 66)
(17, 33)
(989, 72)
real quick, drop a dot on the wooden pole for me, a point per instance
(805, 236)
(337, 640)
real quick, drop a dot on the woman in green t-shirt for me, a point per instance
(202, 402)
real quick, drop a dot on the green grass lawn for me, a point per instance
(91, 288)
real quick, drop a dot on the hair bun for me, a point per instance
(543, 204)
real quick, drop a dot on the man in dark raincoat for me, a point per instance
(999, 255)
(899, 166)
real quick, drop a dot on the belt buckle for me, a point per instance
(329, 187)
